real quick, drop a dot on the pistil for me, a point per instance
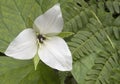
(41, 38)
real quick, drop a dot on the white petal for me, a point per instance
(50, 22)
(23, 46)
(56, 54)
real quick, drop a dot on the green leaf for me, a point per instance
(116, 6)
(22, 72)
(65, 34)
(17, 15)
(14, 15)
(110, 6)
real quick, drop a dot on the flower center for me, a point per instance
(41, 38)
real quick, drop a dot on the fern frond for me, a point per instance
(115, 78)
(85, 42)
(102, 69)
(75, 17)
(98, 38)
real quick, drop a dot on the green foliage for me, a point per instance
(115, 76)
(95, 44)
(22, 72)
(65, 34)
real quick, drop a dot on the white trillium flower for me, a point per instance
(42, 39)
